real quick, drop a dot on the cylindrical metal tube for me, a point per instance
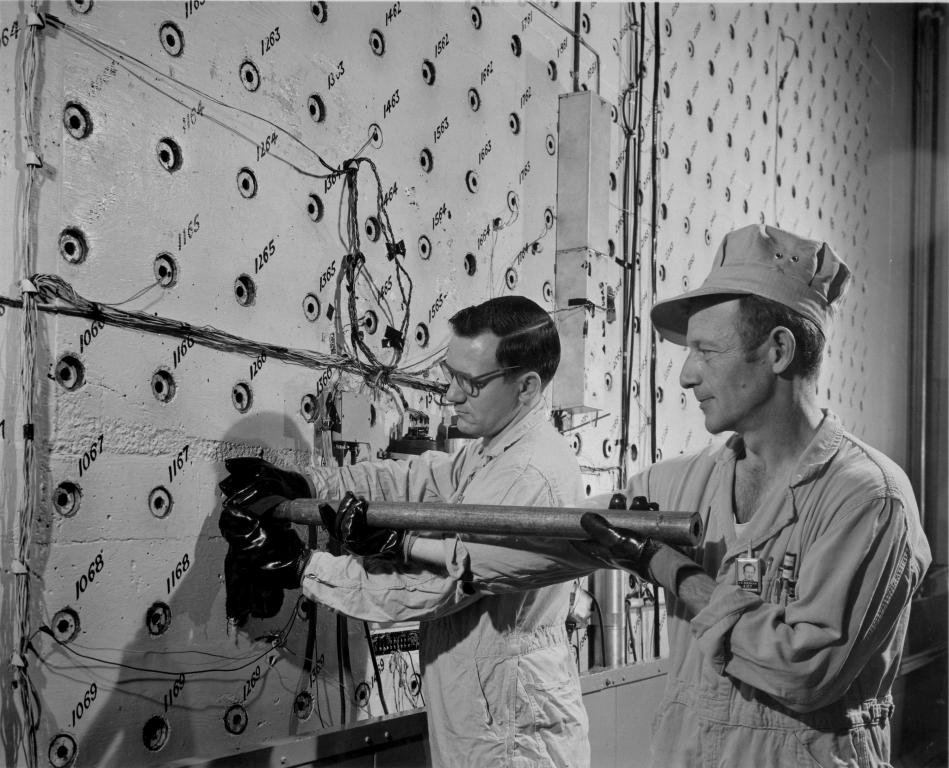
(679, 528)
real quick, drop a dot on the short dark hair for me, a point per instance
(529, 338)
(758, 316)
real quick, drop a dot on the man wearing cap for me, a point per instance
(786, 627)
(786, 624)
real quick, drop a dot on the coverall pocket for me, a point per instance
(830, 750)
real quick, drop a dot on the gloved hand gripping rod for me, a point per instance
(676, 528)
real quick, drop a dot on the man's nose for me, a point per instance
(688, 376)
(455, 394)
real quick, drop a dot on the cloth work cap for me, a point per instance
(805, 275)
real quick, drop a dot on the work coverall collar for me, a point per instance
(504, 439)
(772, 517)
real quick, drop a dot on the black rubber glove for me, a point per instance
(616, 547)
(258, 486)
(264, 558)
(348, 527)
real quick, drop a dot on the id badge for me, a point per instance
(749, 574)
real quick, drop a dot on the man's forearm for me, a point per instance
(683, 577)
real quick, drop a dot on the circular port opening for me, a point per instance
(250, 76)
(70, 373)
(246, 183)
(169, 154)
(316, 108)
(510, 278)
(76, 120)
(155, 733)
(426, 160)
(158, 618)
(475, 17)
(548, 291)
(160, 502)
(66, 498)
(314, 207)
(311, 307)
(373, 229)
(424, 247)
(245, 290)
(474, 99)
(65, 625)
(471, 264)
(72, 245)
(377, 42)
(428, 72)
(165, 269)
(308, 408)
(163, 386)
(172, 40)
(62, 750)
(514, 123)
(242, 397)
(471, 181)
(421, 335)
(551, 144)
(319, 11)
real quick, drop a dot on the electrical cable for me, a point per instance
(30, 702)
(375, 667)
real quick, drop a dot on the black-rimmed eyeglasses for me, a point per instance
(472, 385)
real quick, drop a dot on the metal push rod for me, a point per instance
(679, 528)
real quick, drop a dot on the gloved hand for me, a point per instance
(258, 486)
(264, 558)
(616, 547)
(347, 526)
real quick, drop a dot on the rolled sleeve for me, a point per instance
(379, 590)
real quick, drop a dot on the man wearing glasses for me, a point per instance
(500, 684)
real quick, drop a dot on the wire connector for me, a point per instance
(35, 19)
(33, 160)
(27, 286)
(395, 249)
(18, 661)
(18, 568)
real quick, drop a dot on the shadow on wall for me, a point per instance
(183, 687)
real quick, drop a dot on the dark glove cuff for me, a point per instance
(302, 562)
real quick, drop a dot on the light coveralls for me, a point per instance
(500, 685)
(770, 680)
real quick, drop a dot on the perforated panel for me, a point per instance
(181, 145)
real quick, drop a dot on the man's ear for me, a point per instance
(529, 386)
(782, 349)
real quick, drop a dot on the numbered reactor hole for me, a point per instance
(373, 229)
(303, 705)
(247, 183)
(377, 42)
(512, 202)
(424, 247)
(471, 264)
(475, 16)
(516, 47)
(65, 625)
(80, 6)
(309, 408)
(375, 136)
(421, 335)
(514, 123)
(319, 11)
(73, 246)
(314, 207)
(425, 160)
(77, 120)
(428, 72)
(311, 307)
(548, 290)
(165, 269)
(370, 321)
(316, 107)
(551, 144)
(474, 99)
(66, 498)
(510, 278)
(62, 750)
(172, 39)
(471, 181)
(242, 397)
(250, 76)
(160, 502)
(245, 290)
(70, 373)
(169, 154)
(158, 618)
(155, 733)
(163, 386)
